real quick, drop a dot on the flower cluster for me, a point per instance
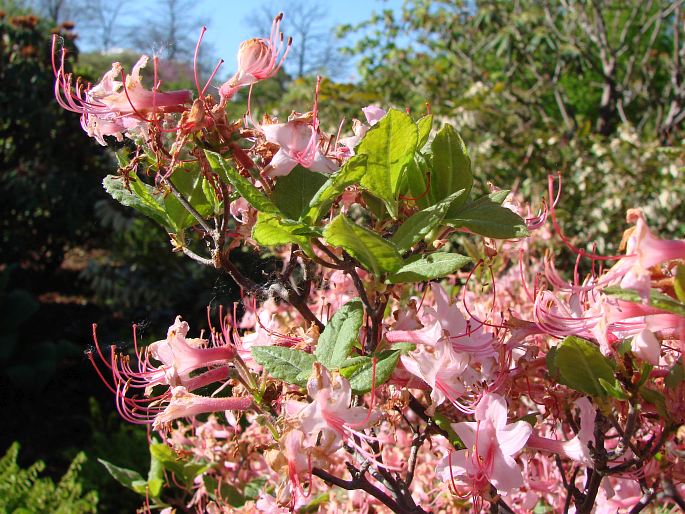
(379, 369)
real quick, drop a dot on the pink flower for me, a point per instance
(113, 107)
(180, 356)
(184, 404)
(440, 367)
(643, 251)
(646, 346)
(300, 143)
(258, 59)
(490, 444)
(373, 114)
(329, 419)
(578, 448)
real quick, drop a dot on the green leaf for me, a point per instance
(351, 173)
(227, 492)
(424, 125)
(216, 205)
(294, 192)
(451, 167)
(168, 459)
(614, 389)
(389, 146)
(254, 487)
(126, 477)
(421, 268)
(445, 424)
(675, 375)
(499, 196)
(339, 336)
(581, 365)
(273, 231)
(420, 224)
(376, 254)
(679, 282)
(656, 299)
(656, 399)
(416, 177)
(287, 364)
(315, 504)
(488, 218)
(155, 477)
(188, 182)
(361, 373)
(242, 185)
(142, 197)
(552, 367)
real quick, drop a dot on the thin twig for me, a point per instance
(186, 205)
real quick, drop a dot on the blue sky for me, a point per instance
(228, 26)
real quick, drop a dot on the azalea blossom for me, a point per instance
(300, 143)
(258, 59)
(577, 448)
(373, 115)
(180, 356)
(327, 421)
(184, 404)
(643, 250)
(118, 103)
(491, 443)
(440, 367)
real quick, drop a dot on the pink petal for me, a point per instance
(506, 474)
(513, 437)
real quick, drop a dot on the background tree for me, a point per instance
(589, 89)
(170, 26)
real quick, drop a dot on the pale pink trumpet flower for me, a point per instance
(300, 141)
(258, 59)
(173, 362)
(119, 103)
(643, 251)
(577, 448)
(320, 427)
(491, 444)
(183, 404)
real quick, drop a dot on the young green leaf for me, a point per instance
(657, 299)
(679, 282)
(127, 477)
(361, 373)
(190, 184)
(614, 389)
(675, 375)
(287, 364)
(371, 250)
(417, 184)
(655, 398)
(293, 193)
(424, 126)
(247, 190)
(421, 268)
(226, 492)
(451, 167)
(141, 197)
(389, 146)
(420, 224)
(488, 218)
(351, 173)
(581, 365)
(339, 336)
(273, 231)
